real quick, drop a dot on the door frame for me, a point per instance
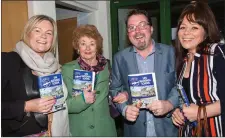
(165, 21)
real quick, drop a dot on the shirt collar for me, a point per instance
(153, 48)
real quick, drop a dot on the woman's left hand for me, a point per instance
(190, 112)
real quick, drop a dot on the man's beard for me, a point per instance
(141, 45)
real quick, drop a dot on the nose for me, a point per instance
(187, 31)
(43, 35)
(137, 29)
(88, 47)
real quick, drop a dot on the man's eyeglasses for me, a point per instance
(142, 25)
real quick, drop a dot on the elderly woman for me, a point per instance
(89, 112)
(24, 113)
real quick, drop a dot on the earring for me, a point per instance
(78, 51)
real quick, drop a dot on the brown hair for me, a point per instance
(200, 13)
(139, 12)
(88, 31)
(32, 22)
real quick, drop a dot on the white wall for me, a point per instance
(90, 4)
(83, 18)
(94, 12)
(65, 14)
(104, 26)
(41, 7)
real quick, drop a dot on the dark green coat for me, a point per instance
(89, 119)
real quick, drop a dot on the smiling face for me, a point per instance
(141, 36)
(190, 35)
(41, 37)
(87, 48)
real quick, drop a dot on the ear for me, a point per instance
(151, 29)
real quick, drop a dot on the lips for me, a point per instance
(139, 36)
(88, 53)
(187, 39)
(41, 42)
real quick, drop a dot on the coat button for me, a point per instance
(92, 126)
(144, 123)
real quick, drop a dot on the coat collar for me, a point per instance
(102, 75)
(156, 46)
(157, 61)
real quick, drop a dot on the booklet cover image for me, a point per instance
(82, 79)
(143, 88)
(51, 85)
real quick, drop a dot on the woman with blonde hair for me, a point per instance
(24, 113)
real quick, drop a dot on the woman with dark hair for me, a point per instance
(200, 62)
(89, 112)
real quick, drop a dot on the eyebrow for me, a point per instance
(41, 29)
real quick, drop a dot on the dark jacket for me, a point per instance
(15, 122)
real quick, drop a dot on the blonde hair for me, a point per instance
(32, 22)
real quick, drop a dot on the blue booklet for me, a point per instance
(143, 88)
(184, 99)
(82, 79)
(51, 85)
(183, 95)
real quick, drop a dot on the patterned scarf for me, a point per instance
(99, 67)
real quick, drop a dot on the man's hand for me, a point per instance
(121, 97)
(132, 113)
(160, 107)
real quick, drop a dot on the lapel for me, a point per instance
(72, 65)
(158, 60)
(103, 75)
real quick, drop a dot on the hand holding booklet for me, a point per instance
(51, 85)
(82, 79)
(184, 98)
(143, 88)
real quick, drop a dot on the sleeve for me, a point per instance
(75, 104)
(173, 94)
(13, 110)
(218, 69)
(10, 108)
(116, 84)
